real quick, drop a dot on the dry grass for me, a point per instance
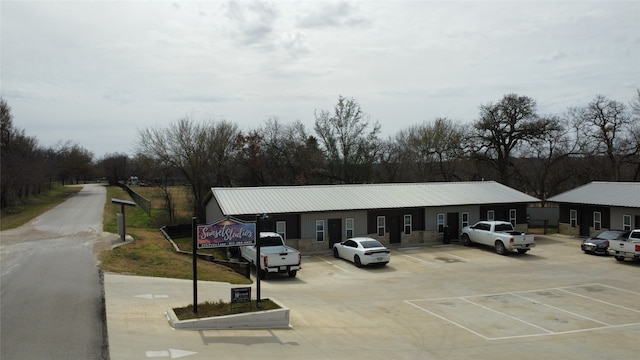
(151, 254)
(16, 216)
(181, 196)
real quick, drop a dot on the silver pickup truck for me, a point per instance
(275, 256)
(499, 234)
(626, 249)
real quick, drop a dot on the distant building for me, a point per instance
(313, 218)
(598, 206)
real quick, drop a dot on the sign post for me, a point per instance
(195, 265)
(122, 204)
(222, 233)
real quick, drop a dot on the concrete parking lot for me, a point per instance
(430, 302)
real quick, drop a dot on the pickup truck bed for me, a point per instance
(626, 249)
(275, 256)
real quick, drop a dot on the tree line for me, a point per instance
(510, 142)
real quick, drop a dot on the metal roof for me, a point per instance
(318, 198)
(623, 194)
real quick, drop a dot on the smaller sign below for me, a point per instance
(240, 295)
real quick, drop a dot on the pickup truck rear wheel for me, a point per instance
(522, 251)
(263, 274)
(293, 273)
(620, 258)
(465, 240)
(500, 249)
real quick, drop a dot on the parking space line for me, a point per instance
(460, 258)
(507, 315)
(522, 295)
(419, 260)
(602, 301)
(332, 264)
(447, 320)
(559, 309)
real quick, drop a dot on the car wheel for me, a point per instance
(500, 249)
(335, 253)
(465, 240)
(523, 251)
(620, 258)
(293, 273)
(356, 260)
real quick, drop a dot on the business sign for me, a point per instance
(240, 295)
(225, 233)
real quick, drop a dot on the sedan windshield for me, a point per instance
(608, 235)
(371, 244)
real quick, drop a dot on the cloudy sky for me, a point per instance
(94, 72)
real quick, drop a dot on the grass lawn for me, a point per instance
(151, 254)
(16, 216)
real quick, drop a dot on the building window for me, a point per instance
(407, 225)
(319, 230)
(465, 219)
(348, 224)
(491, 215)
(440, 222)
(381, 226)
(512, 217)
(573, 218)
(597, 220)
(281, 228)
(626, 222)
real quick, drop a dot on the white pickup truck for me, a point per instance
(275, 256)
(499, 234)
(626, 249)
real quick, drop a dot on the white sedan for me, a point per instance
(362, 251)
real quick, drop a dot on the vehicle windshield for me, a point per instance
(608, 235)
(504, 227)
(371, 244)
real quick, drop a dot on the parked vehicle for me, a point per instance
(627, 248)
(499, 234)
(599, 244)
(275, 255)
(362, 251)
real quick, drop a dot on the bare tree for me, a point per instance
(350, 143)
(543, 168)
(23, 165)
(300, 160)
(505, 126)
(634, 159)
(114, 167)
(605, 129)
(434, 148)
(202, 152)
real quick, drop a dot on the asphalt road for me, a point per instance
(51, 304)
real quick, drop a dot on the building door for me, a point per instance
(585, 223)
(335, 231)
(637, 222)
(394, 229)
(453, 223)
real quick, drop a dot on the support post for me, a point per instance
(195, 264)
(258, 265)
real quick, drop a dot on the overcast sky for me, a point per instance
(94, 72)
